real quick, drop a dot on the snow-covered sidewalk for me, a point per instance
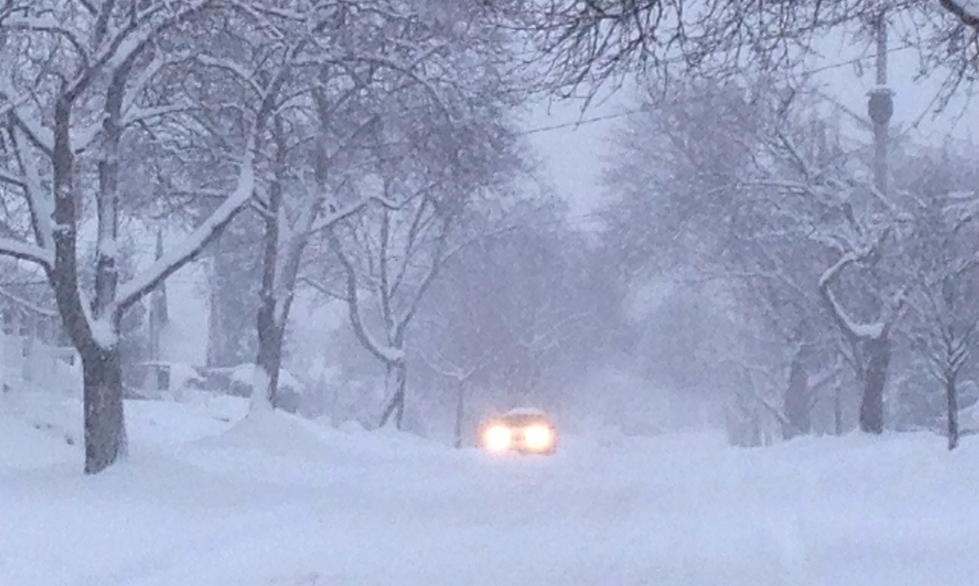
(210, 499)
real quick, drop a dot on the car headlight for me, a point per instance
(538, 437)
(497, 438)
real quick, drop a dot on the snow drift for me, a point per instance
(212, 497)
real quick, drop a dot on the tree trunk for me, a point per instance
(279, 269)
(952, 403)
(460, 411)
(797, 403)
(754, 439)
(838, 412)
(875, 378)
(214, 325)
(396, 406)
(105, 427)
(269, 358)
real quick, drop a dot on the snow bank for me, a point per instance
(244, 375)
(184, 376)
(268, 432)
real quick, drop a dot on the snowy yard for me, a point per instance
(207, 499)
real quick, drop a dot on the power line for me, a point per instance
(579, 122)
(626, 113)
(855, 60)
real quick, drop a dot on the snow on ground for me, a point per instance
(209, 497)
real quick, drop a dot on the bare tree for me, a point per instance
(693, 175)
(952, 338)
(342, 96)
(858, 231)
(441, 146)
(303, 200)
(786, 218)
(588, 43)
(460, 377)
(397, 258)
(943, 310)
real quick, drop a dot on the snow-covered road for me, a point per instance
(277, 500)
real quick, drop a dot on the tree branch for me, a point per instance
(965, 10)
(28, 252)
(385, 354)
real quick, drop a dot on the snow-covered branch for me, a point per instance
(438, 259)
(831, 273)
(266, 14)
(47, 23)
(137, 114)
(775, 411)
(460, 247)
(39, 135)
(413, 230)
(870, 331)
(39, 200)
(14, 180)
(235, 69)
(409, 71)
(191, 246)
(890, 311)
(18, 300)
(823, 379)
(384, 353)
(966, 11)
(751, 371)
(338, 214)
(451, 371)
(26, 251)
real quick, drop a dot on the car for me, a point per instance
(524, 430)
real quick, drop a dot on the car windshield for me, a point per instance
(523, 419)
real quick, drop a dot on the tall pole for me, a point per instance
(881, 106)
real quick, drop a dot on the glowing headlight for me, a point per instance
(538, 437)
(497, 438)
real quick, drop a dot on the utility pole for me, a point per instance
(880, 106)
